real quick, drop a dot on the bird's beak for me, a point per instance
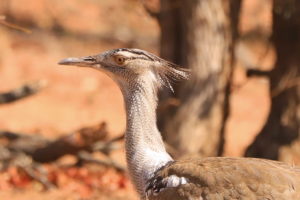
(87, 61)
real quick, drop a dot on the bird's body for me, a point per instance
(154, 173)
(229, 178)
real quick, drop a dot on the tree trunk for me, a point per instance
(279, 138)
(198, 36)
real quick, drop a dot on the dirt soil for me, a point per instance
(77, 97)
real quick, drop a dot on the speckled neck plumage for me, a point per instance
(145, 151)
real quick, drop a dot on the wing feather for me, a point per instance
(231, 178)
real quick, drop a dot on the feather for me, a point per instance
(169, 73)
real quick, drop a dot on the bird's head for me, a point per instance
(131, 65)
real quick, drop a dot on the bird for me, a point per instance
(154, 173)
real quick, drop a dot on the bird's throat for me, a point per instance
(145, 151)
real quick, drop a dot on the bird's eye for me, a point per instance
(120, 60)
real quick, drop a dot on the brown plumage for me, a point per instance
(231, 178)
(155, 174)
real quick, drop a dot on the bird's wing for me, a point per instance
(225, 178)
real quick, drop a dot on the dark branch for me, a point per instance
(44, 150)
(86, 157)
(21, 92)
(107, 147)
(257, 72)
(70, 144)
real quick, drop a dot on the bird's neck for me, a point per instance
(145, 151)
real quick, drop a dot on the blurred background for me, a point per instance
(61, 127)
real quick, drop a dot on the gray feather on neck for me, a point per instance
(145, 149)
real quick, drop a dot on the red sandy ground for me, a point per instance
(76, 97)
